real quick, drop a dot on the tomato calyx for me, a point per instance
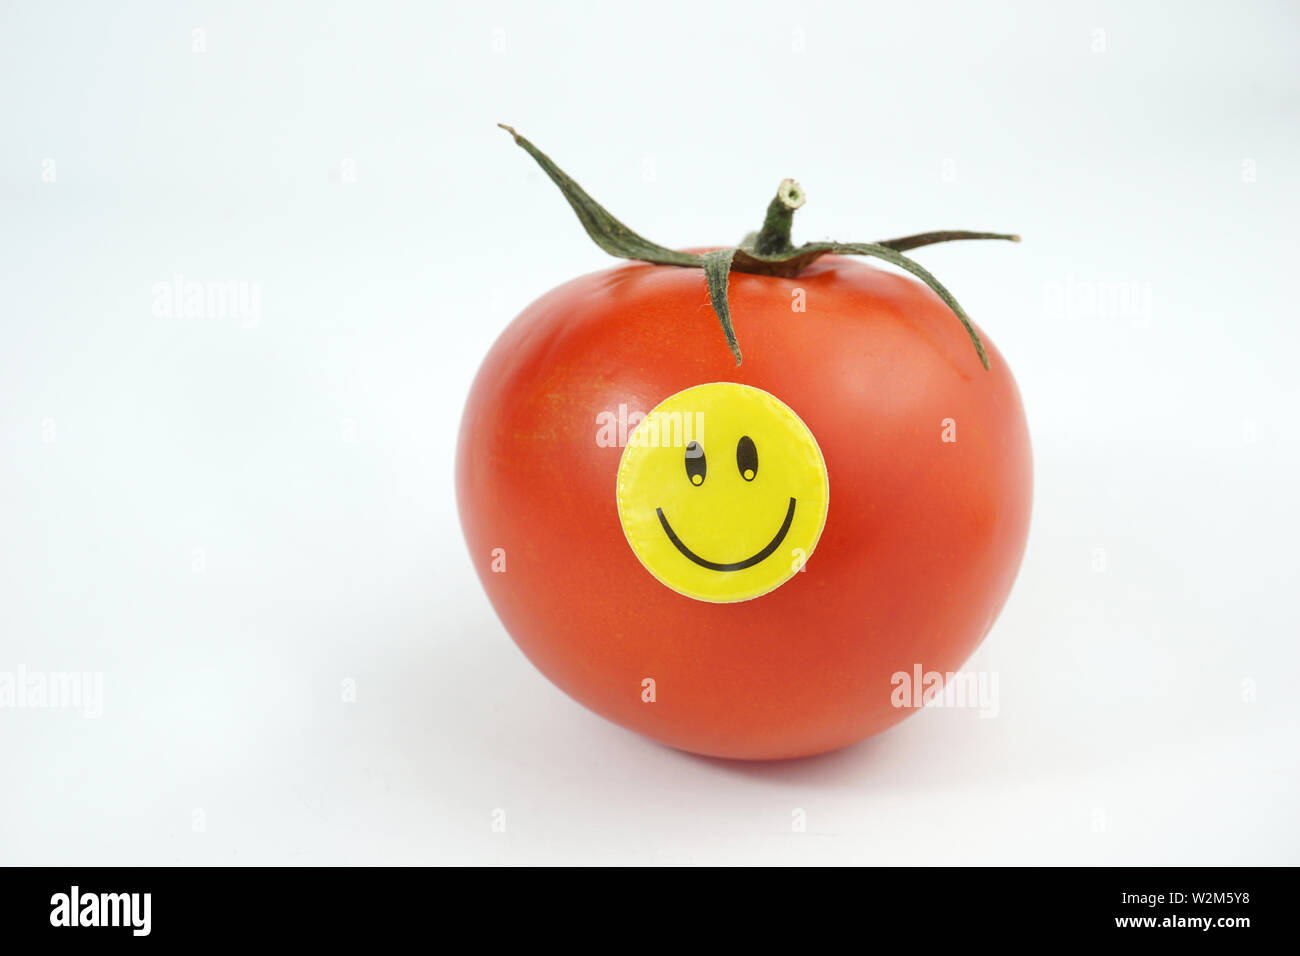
(766, 252)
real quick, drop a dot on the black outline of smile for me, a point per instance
(735, 565)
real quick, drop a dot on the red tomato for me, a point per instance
(930, 482)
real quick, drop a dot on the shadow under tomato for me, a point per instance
(833, 768)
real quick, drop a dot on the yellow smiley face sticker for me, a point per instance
(722, 492)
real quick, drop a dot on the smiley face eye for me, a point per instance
(695, 463)
(747, 458)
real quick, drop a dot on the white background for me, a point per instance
(229, 519)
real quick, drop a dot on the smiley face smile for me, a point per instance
(762, 461)
(749, 562)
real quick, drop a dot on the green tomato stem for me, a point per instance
(774, 238)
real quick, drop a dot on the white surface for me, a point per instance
(230, 519)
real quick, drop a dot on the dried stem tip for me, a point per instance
(791, 194)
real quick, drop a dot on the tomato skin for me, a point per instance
(923, 537)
